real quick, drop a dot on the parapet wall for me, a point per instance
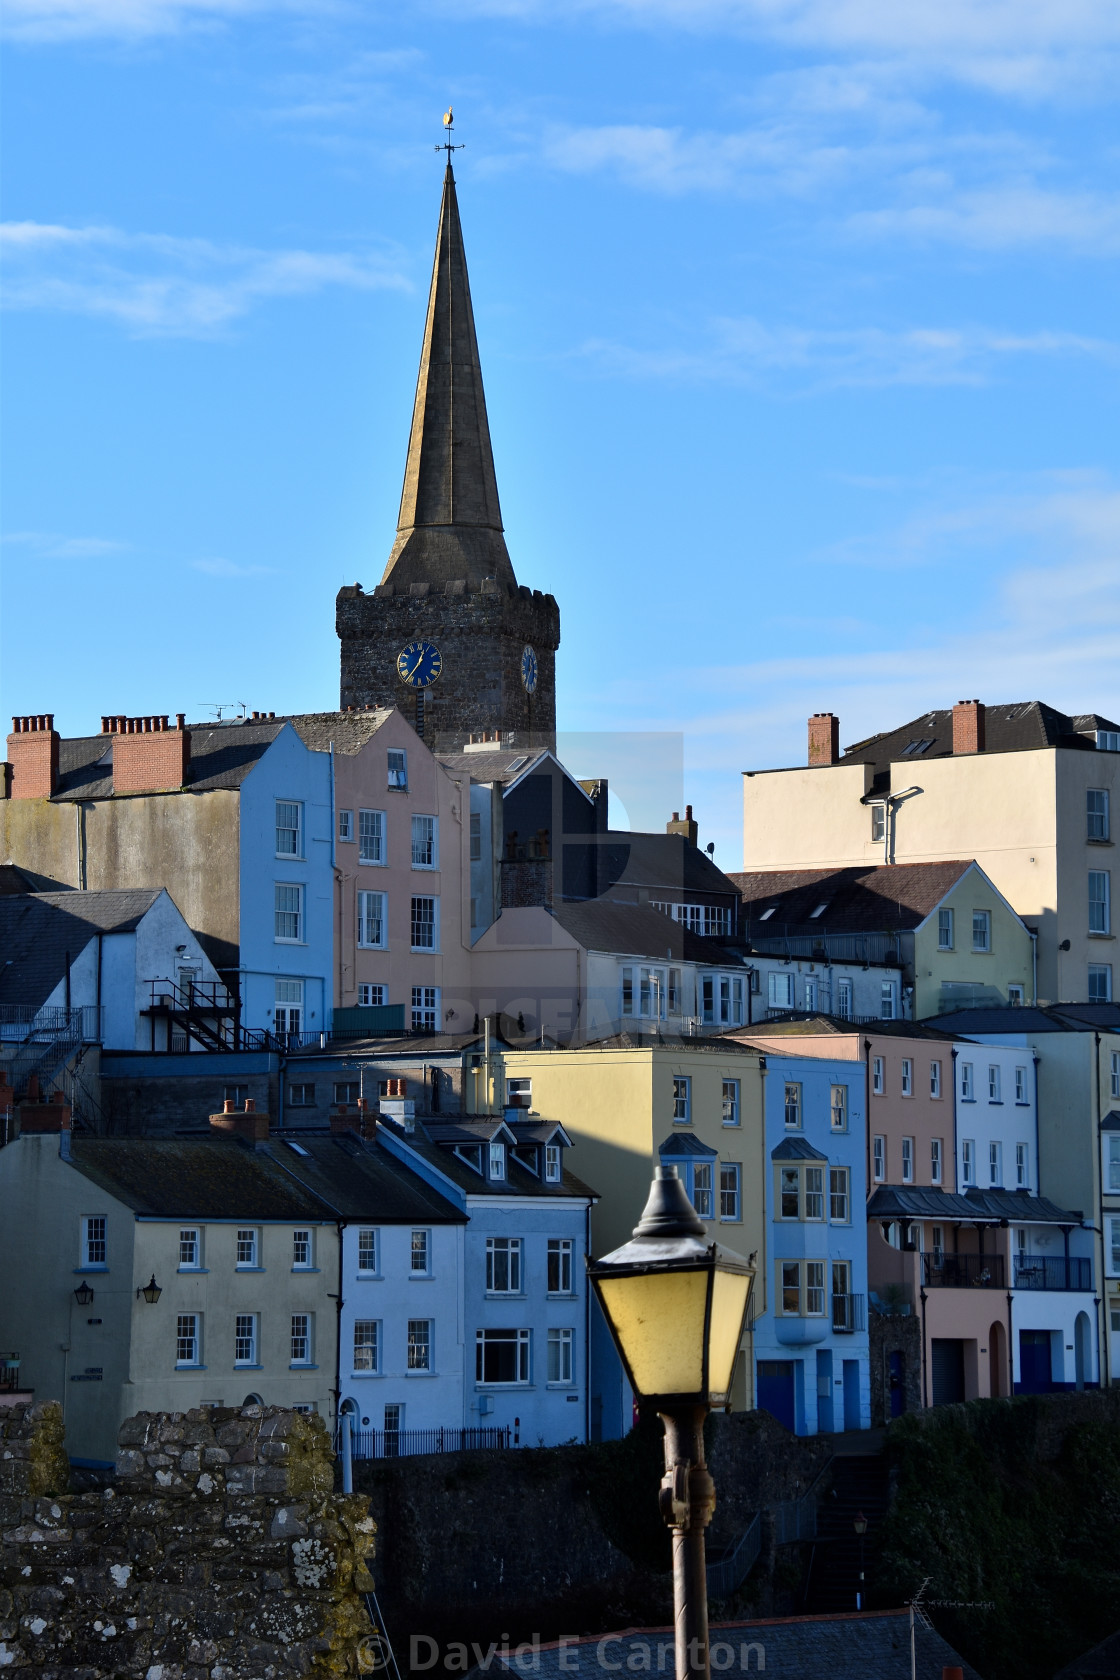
(219, 1552)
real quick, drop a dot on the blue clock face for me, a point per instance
(529, 670)
(419, 664)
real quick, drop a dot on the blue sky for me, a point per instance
(798, 320)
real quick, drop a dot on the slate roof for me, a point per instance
(679, 1144)
(859, 1646)
(204, 1178)
(1054, 1017)
(347, 731)
(1111, 1121)
(519, 1180)
(823, 1026)
(16, 880)
(1101, 1663)
(988, 1207)
(358, 1178)
(634, 930)
(1018, 726)
(865, 898)
(670, 861)
(37, 930)
(497, 766)
(797, 1149)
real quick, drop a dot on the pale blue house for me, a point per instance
(812, 1367)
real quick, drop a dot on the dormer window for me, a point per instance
(497, 1159)
(767, 913)
(471, 1155)
(552, 1163)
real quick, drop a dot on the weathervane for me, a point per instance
(449, 125)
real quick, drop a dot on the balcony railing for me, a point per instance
(9, 1370)
(1056, 1272)
(963, 1271)
(409, 1443)
(849, 1312)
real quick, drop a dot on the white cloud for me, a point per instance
(1011, 214)
(62, 20)
(50, 545)
(747, 351)
(158, 285)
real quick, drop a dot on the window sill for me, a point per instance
(300, 1365)
(559, 1387)
(289, 857)
(421, 1277)
(360, 1376)
(995, 1102)
(730, 1125)
(243, 1269)
(562, 1295)
(373, 863)
(369, 1277)
(1020, 1103)
(424, 950)
(502, 1388)
(968, 1099)
(80, 1271)
(504, 1295)
(245, 1365)
(191, 1271)
(1092, 935)
(278, 941)
(411, 1374)
(304, 1271)
(183, 1366)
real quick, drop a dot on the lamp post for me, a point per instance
(675, 1306)
(860, 1525)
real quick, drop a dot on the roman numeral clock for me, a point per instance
(418, 666)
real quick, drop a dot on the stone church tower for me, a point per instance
(448, 636)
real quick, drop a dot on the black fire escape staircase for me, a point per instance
(201, 1012)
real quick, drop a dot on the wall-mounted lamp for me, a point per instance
(151, 1291)
(83, 1294)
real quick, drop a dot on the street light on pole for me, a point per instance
(675, 1306)
(860, 1526)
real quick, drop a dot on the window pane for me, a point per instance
(423, 924)
(287, 828)
(419, 1344)
(371, 837)
(366, 1344)
(814, 1193)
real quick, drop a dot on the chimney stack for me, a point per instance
(247, 1123)
(824, 738)
(688, 828)
(360, 1119)
(149, 755)
(39, 1116)
(968, 727)
(33, 754)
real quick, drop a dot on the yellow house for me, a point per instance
(958, 941)
(630, 1103)
(1025, 790)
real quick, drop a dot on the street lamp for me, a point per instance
(860, 1525)
(83, 1294)
(151, 1291)
(675, 1306)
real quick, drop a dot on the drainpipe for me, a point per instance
(1037, 1133)
(956, 1141)
(925, 1373)
(587, 1331)
(80, 824)
(1034, 967)
(1103, 1339)
(1010, 1351)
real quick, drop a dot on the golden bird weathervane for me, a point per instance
(447, 146)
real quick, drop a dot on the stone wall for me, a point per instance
(901, 1334)
(219, 1552)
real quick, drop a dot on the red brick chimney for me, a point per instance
(33, 754)
(968, 726)
(245, 1123)
(360, 1119)
(824, 738)
(149, 756)
(688, 828)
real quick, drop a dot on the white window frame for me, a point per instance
(1112, 1164)
(878, 1158)
(1099, 819)
(815, 1298)
(397, 769)
(552, 1164)
(94, 1241)
(188, 1336)
(345, 827)
(995, 1164)
(703, 1189)
(908, 1160)
(844, 996)
(301, 1337)
(1022, 1166)
(294, 853)
(995, 1083)
(190, 1244)
(425, 1009)
(813, 1190)
(682, 1099)
(1100, 901)
(731, 1100)
(522, 1344)
(838, 1108)
(367, 1347)
(945, 929)
(303, 1238)
(373, 920)
(967, 1088)
(1114, 1074)
(792, 1105)
(888, 1001)
(419, 1346)
(372, 996)
(878, 1076)
(561, 1250)
(935, 1080)
(420, 1250)
(839, 1196)
(246, 1340)
(779, 980)
(247, 1248)
(935, 1161)
(368, 1243)
(968, 1161)
(730, 1192)
(561, 1357)
(373, 849)
(982, 931)
(420, 899)
(1021, 1096)
(290, 909)
(1100, 982)
(425, 841)
(496, 1160)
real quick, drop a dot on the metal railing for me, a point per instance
(849, 1312)
(1057, 1272)
(825, 946)
(9, 1370)
(729, 1566)
(795, 1519)
(409, 1443)
(208, 997)
(963, 1271)
(25, 1022)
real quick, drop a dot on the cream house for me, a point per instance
(1028, 792)
(629, 1105)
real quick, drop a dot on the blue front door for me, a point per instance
(776, 1390)
(1034, 1362)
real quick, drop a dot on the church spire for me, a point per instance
(450, 523)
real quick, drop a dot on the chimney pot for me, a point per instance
(227, 1106)
(250, 1105)
(969, 727)
(824, 738)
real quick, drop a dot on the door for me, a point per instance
(1034, 1362)
(947, 1360)
(851, 1394)
(826, 1421)
(997, 1361)
(896, 1382)
(776, 1390)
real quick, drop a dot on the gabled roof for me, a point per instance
(797, 1149)
(634, 930)
(221, 756)
(864, 898)
(1111, 1121)
(506, 766)
(1047, 1018)
(16, 880)
(835, 1026)
(983, 1207)
(204, 1178)
(347, 732)
(1017, 726)
(1101, 1663)
(40, 931)
(436, 1143)
(680, 1144)
(668, 861)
